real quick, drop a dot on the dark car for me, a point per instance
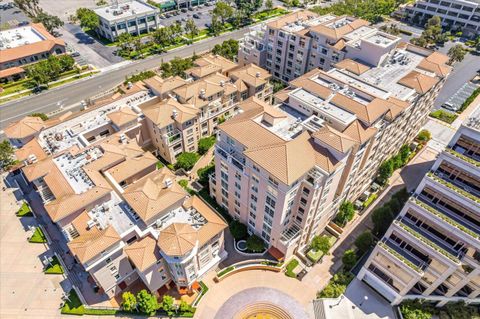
(184, 10)
(196, 16)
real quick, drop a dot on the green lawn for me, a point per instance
(24, 211)
(290, 267)
(54, 268)
(38, 237)
(444, 116)
(314, 255)
(73, 306)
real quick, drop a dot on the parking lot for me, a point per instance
(12, 17)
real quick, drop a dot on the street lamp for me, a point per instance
(365, 299)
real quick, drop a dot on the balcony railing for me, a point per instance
(290, 234)
(453, 187)
(464, 158)
(402, 255)
(428, 239)
(447, 216)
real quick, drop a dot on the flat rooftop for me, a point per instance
(323, 106)
(381, 39)
(305, 24)
(71, 132)
(124, 10)
(115, 213)
(18, 37)
(287, 127)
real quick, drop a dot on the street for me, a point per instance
(74, 93)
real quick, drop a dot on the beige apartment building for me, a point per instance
(302, 41)
(432, 249)
(283, 170)
(125, 221)
(188, 110)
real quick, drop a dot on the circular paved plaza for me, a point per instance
(261, 301)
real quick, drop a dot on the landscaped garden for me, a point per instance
(444, 116)
(290, 267)
(320, 246)
(337, 285)
(25, 210)
(54, 268)
(38, 237)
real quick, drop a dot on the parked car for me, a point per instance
(196, 16)
(190, 9)
(21, 24)
(184, 10)
(75, 54)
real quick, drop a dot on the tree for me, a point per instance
(205, 143)
(345, 213)
(184, 307)
(248, 6)
(404, 153)
(147, 303)
(238, 230)
(54, 67)
(216, 25)
(88, 19)
(167, 303)
(336, 286)
(269, 4)
(385, 171)
(186, 161)
(66, 62)
(125, 41)
(39, 74)
(321, 243)
(30, 7)
(223, 11)
(204, 173)
(162, 36)
(364, 242)
(228, 49)
(129, 302)
(382, 218)
(191, 29)
(50, 22)
(6, 155)
(349, 259)
(255, 244)
(43, 116)
(424, 136)
(456, 54)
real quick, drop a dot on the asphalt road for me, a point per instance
(72, 94)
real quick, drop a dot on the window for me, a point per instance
(269, 211)
(253, 197)
(108, 260)
(270, 201)
(252, 215)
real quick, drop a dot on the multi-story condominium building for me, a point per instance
(210, 64)
(24, 45)
(456, 14)
(123, 220)
(284, 170)
(302, 41)
(193, 110)
(133, 16)
(432, 249)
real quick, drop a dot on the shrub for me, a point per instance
(204, 172)
(43, 116)
(349, 259)
(321, 244)
(186, 161)
(385, 171)
(370, 200)
(167, 303)
(255, 244)
(336, 286)
(345, 213)
(24, 211)
(38, 237)
(290, 267)
(444, 116)
(54, 268)
(238, 230)
(225, 270)
(469, 100)
(424, 136)
(364, 242)
(73, 305)
(147, 303)
(140, 77)
(129, 302)
(205, 143)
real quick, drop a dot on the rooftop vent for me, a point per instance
(174, 114)
(257, 74)
(32, 158)
(168, 182)
(202, 93)
(129, 85)
(123, 138)
(222, 83)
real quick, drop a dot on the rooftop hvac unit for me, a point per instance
(168, 182)
(123, 138)
(90, 224)
(32, 158)
(174, 114)
(202, 93)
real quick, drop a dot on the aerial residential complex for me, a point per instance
(432, 249)
(284, 170)
(124, 219)
(135, 17)
(458, 14)
(24, 45)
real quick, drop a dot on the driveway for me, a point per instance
(90, 49)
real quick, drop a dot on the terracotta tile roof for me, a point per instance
(177, 239)
(352, 66)
(436, 62)
(32, 48)
(163, 86)
(80, 223)
(367, 113)
(291, 17)
(143, 253)
(337, 33)
(241, 86)
(122, 116)
(26, 127)
(419, 82)
(11, 71)
(150, 197)
(210, 64)
(251, 74)
(93, 243)
(339, 45)
(31, 148)
(161, 112)
(335, 139)
(305, 81)
(358, 132)
(132, 166)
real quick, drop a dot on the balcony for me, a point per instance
(461, 151)
(469, 160)
(447, 216)
(428, 239)
(403, 255)
(468, 187)
(290, 234)
(453, 187)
